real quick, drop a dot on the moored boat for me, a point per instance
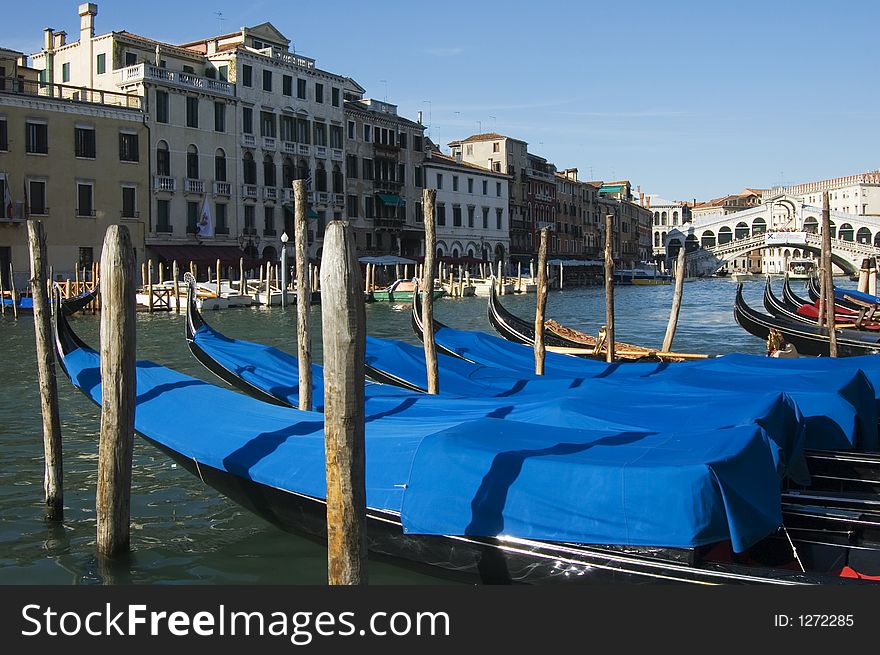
(401, 291)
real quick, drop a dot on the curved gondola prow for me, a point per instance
(506, 324)
(418, 326)
(66, 340)
(791, 299)
(73, 305)
(194, 322)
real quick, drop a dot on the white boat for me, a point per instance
(742, 276)
(801, 269)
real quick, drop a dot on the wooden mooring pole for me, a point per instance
(872, 276)
(864, 272)
(53, 470)
(174, 273)
(676, 302)
(2, 296)
(343, 321)
(12, 294)
(542, 303)
(609, 288)
(829, 278)
(429, 196)
(113, 502)
(303, 293)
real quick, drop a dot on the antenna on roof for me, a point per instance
(219, 15)
(385, 82)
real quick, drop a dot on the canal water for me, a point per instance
(184, 532)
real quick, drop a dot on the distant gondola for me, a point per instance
(807, 339)
(70, 306)
(789, 307)
(843, 297)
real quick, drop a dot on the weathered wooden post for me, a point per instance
(863, 275)
(219, 276)
(343, 320)
(53, 470)
(241, 276)
(2, 296)
(284, 269)
(429, 196)
(501, 290)
(519, 277)
(12, 294)
(676, 301)
(303, 293)
(609, 287)
(160, 266)
(560, 276)
(118, 384)
(542, 302)
(872, 276)
(174, 274)
(829, 279)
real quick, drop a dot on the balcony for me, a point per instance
(222, 188)
(163, 183)
(523, 226)
(193, 186)
(543, 197)
(310, 196)
(339, 199)
(286, 194)
(303, 149)
(249, 191)
(336, 154)
(323, 198)
(540, 175)
(269, 143)
(321, 151)
(248, 141)
(288, 147)
(387, 147)
(148, 72)
(388, 224)
(249, 231)
(388, 186)
(270, 193)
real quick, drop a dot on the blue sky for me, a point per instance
(688, 99)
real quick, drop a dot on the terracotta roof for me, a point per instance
(487, 136)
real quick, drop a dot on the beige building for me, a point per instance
(384, 175)
(725, 205)
(75, 159)
(851, 194)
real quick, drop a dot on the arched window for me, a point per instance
(338, 185)
(759, 225)
(220, 165)
(302, 169)
(663, 218)
(675, 218)
(707, 239)
(192, 162)
(269, 171)
(287, 172)
(249, 168)
(163, 160)
(320, 178)
(725, 235)
(656, 239)
(846, 232)
(863, 235)
(742, 231)
(811, 225)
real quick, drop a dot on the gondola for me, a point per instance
(835, 513)
(807, 339)
(515, 329)
(270, 460)
(70, 306)
(851, 299)
(780, 309)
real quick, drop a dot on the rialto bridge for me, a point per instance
(781, 223)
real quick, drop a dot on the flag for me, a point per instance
(205, 226)
(309, 180)
(7, 197)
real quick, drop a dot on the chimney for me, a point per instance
(420, 117)
(48, 38)
(87, 13)
(60, 39)
(458, 155)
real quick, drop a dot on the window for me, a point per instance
(269, 171)
(128, 147)
(163, 216)
(439, 181)
(401, 173)
(219, 116)
(4, 135)
(220, 166)
(192, 217)
(418, 176)
(86, 256)
(84, 199)
(419, 212)
(455, 182)
(485, 187)
(163, 160)
(470, 185)
(368, 169)
(320, 134)
(498, 213)
(192, 162)
(368, 207)
(249, 169)
(303, 130)
(36, 138)
(247, 75)
(367, 133)
(470, 215)
(267, 124)
(301, 89)
(84, 142)
(351, 130)
(192, 111)
(336, 136)
(36, 199)
(223, 72)
(269, 221)
(334, 96)
(498, 189)
(250, 212)
(485, 218)
(401, 138)
(161, 106)
(247, 120)
(319, 92)
(351, 166)
(287, 85)
(352, 206)
(101, 63)
(441, 213)
(220, 224)
(456, 215)
(132, 60)
(417, 142)
(496, 147)
(267, 80)
(129, 202)
(65, 72)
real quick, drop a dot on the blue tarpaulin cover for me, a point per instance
(487, 477)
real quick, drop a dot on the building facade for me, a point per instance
(74, 159)
(852, 194)
(472, 209)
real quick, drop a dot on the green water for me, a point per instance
(184, 532)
